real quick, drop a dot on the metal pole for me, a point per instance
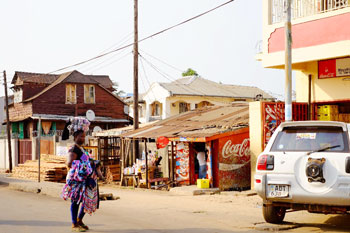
(146, 158)
(136, 85)
(309, 99)
(8, 124)
(288, 61)
(39, 152)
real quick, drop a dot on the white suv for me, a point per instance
(305, 166)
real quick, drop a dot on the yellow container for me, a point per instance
(328, 109)
(203, 183)
(327, 117)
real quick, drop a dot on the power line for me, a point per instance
(114, 61)
(122, 41)
(145, 38)
(158, 59)
(149, 84)
(154, 96)
(131, 44)
(168, 77)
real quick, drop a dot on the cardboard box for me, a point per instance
(203, 183)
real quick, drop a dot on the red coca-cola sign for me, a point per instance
(234, 161)
(231, 149)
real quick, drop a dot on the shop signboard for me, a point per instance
(234, 161)
(334, 68)
(183, 163)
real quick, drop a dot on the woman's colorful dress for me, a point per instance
(81, 184)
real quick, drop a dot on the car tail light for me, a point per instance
(258, 181)
(266, 162)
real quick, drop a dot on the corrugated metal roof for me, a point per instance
(204, 122)
(204, 87)
(118, 131)
(28, 77)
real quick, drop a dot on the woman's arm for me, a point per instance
(71, 157)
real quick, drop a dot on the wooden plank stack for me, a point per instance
(52, 168)
(112, 173)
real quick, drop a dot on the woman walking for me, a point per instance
(81, 182)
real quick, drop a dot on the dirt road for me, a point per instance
(144, 211)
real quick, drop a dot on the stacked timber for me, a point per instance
(52, 168)
(112, 173)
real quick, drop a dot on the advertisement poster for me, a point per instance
(234, 162)
(183, 163)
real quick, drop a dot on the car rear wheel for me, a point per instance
(273, 214)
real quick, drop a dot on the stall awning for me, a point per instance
(65, 117)
(197, 125)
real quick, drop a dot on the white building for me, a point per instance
(163, 100)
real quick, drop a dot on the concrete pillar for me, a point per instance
(193, 106)
(34, 146)
(255, 134)
(148, 112)
(166, 109)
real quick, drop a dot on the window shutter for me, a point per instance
(67, 93)
(73, 96)
(86, 94)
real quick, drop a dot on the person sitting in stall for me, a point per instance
(202, 163)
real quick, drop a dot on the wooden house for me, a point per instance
(55, 98)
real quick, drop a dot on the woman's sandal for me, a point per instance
(77, 228)
(81, 224)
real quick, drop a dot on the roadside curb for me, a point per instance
(45, 188)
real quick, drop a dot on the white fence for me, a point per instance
(303, 8)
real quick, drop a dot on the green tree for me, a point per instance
(189, 72)
(117, 91)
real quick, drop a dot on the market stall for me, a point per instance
(219, 133)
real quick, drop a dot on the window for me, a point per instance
(18, 95)
(311, 138)
(156, 109)
(71, 95)
(140, 111)
(184, 107)
(89, 94)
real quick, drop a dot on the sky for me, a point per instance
(42, 36)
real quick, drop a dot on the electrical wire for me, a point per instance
(171, 79)
(154, 96)
(143, 39)
(165, 63)
(120, 58)
(121, 42)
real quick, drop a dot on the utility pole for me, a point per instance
(136, 81)
(38, 149)
(8, 123)
(288, 61)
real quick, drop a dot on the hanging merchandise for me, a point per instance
(46, 125)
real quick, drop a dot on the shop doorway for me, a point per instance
(198, 158)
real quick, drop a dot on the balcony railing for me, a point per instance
(303, 8)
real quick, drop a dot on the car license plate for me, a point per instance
(278, 190)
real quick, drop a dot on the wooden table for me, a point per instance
(136, 179)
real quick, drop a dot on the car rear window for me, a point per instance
(311, 139)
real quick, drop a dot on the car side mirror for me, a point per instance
(347, 165)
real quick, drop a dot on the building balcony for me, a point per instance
(319, 32)
(304, 8)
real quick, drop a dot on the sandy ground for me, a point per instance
(150, 211)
